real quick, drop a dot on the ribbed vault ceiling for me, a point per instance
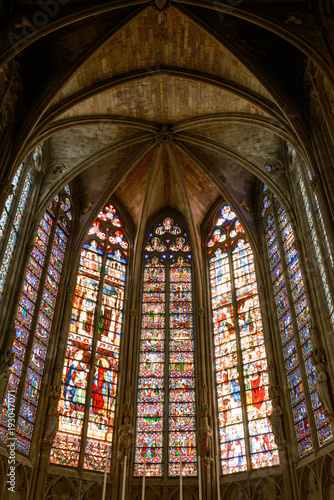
(161, 114)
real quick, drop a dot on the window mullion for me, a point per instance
(92, 364)
(240, 363)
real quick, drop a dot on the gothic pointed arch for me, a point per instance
(90, 374)
(242, 385)
(34, 321)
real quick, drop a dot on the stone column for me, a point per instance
(50, 431)
(125, 443)
(205, 442)
(277, 424)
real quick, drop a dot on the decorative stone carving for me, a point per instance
(205, 433)
(274, 392)
(274, 166)
(57, 168)
(315, 182)
(6, 187)
(87, 207)
(318, 356)
(201, 312)
(323, 392)
(52, 419)
(329, 94)
(164, 137)
(294, 19)
(244, 204)
(297, 244)
(6, 361)
(276, 421)
(10, 87)
(126, 431)
(160, 4)
(318, 359)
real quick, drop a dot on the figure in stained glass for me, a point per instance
(76, 380)
(96, 319)
(241, 326)
(102, 387)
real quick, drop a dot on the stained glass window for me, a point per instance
(15, 204)
(166, 384)
(316, 231)
(246, 439)
(294, 324)
(33, 322)
(88, 396)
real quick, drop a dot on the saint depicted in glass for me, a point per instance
(166, 365)
(244, 407)
(88, 394)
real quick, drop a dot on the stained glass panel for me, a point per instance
(303, 321)
(297, 396)
(9, 201)
(264, 451)
(31, 394)
(315, 242)
(23, 324)
(166, 307)
(10, 247)
(237, 322)
(149, 428)
(95, 326)
(182, 415)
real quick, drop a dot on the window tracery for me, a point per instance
(90, 373)
(244, 407)
(166, 383)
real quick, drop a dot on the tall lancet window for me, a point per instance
(294, 324)
(33, 322)
(11, 219)
(165, 429)
(317, 232)
(90, 373)
(246, 439)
